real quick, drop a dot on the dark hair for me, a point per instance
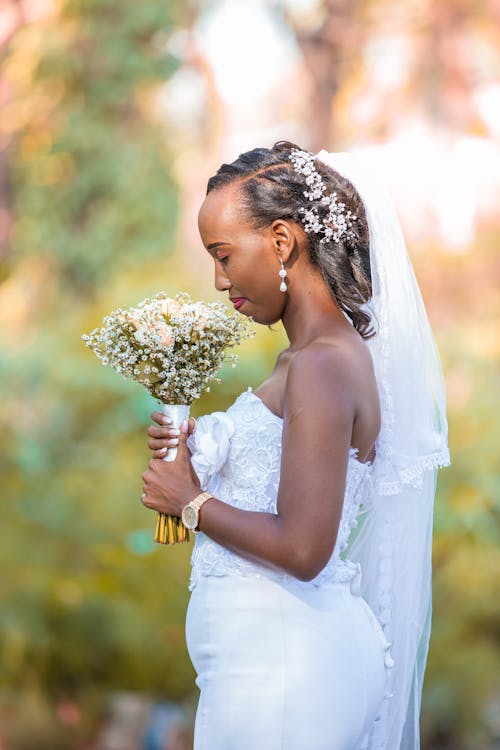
(271, 189)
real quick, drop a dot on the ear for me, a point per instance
(284, 239)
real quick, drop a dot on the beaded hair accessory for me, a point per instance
(339, 221)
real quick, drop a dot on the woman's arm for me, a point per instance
(318, 418)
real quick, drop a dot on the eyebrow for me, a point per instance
(216, 244)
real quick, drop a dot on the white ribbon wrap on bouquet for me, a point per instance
(209, 444)
(177, 413)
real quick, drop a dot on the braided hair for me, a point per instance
(271, 189)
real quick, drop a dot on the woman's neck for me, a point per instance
(311, 312)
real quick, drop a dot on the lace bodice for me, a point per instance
(237, 456)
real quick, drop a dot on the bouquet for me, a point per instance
(173, 347)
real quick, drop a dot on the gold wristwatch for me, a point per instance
(191, 512)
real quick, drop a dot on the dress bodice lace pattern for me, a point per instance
(237, 455)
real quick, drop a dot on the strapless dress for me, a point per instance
(281, 664)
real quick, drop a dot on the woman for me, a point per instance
(291, 616)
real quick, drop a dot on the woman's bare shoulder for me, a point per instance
(318, 373)
(346, 354)
(336, 369)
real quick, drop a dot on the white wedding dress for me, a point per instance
(281, 664)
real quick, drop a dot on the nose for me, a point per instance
(222, 283)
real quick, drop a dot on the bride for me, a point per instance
(309, 616)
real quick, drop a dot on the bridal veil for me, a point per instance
(393, 543)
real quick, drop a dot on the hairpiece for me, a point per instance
(338, 224)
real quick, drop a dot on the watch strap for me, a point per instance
(198, 501)
(196, 504)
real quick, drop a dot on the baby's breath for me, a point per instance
(170, 345)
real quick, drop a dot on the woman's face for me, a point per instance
(246, 259)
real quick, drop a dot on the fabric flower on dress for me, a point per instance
(209, 444)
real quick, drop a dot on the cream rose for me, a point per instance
(169, 306)
(165, 333)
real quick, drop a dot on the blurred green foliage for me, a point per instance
(90, 605)
(461, 699)
(462, 688)
(89, 174)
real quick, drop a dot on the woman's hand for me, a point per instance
(170, 485)
(165, 436)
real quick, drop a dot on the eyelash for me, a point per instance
(225, 257)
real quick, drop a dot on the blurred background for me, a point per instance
(113, 115)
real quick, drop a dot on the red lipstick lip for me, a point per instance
(237, 301)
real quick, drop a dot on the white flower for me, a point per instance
(171, 346)
(209, 444)
(140, 335)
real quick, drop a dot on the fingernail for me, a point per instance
(174, 432)
(163, 450)
(166, 420)
(185, 425)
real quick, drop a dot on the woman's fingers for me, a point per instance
(160, 418)
(163, 433)
(165, 437)
(156, 445)
(161, 453)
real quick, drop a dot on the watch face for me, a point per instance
(190, 517)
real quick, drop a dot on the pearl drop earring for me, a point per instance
(282, 274)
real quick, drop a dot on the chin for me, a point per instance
(268, 320)
(262, 314)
